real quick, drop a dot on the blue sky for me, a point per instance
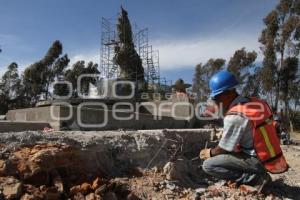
(186, 32)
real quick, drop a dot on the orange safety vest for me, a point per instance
(265, 140)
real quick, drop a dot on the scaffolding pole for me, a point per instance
(148, 56)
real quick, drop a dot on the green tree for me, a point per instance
(10, 82)
(10, 88)
(288, 77)
(202, 75)
(39, 76)
(3, 104)
(295, 95)
(280, 45)
(241, 64)
(198, 81)
(295, 101)
(72, 76)
(126, 56)
(32, 81)
(252, 86)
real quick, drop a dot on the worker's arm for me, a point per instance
(207, 153)
(234, 127)
(217, 151)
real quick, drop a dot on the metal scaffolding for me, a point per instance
(108, 68)
(149, 57)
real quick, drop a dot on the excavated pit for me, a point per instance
(52, 164)
(117, 165)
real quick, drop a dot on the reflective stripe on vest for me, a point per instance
(267, 141)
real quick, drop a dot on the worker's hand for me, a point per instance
(204, 154)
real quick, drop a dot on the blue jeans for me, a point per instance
(241, 168)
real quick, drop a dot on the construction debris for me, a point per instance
(90, 166)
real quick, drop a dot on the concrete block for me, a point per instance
(92, 118)
(6, 126)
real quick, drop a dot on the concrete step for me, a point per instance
(7, 126)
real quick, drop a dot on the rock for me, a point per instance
(90, 196)
(271, 198)
(97, 183)
(98, 197)
(43, 187)
(167, 169)
(168, 194)
(110, 196)
(171, 186)
(217, 186)
(33, 164)
(220, 183)
(132, 196)
(200, 190)
(85, 188)
(2, 166)
(74, 190)
(57, 181)
(155, 170)
(180, 170)
(248, 189)
(12, 188)
(28, 197)
(34, 191)
(78, 196)
(232, 184)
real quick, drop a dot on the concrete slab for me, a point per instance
(93, 118)
(6, 126)
(115, 151)
(178, 106)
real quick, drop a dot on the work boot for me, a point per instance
(262, 182)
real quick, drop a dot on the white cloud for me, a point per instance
(93, 56)
(2, 71)
(179, 53)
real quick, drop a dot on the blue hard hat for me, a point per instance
(222, 81)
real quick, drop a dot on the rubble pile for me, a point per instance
(119, 166)
(54, 171)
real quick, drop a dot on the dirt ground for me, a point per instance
(156, 185)
(55, 170)
(283, 186)
(136, 184)
(295, 135)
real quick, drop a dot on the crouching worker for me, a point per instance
(249, 147)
